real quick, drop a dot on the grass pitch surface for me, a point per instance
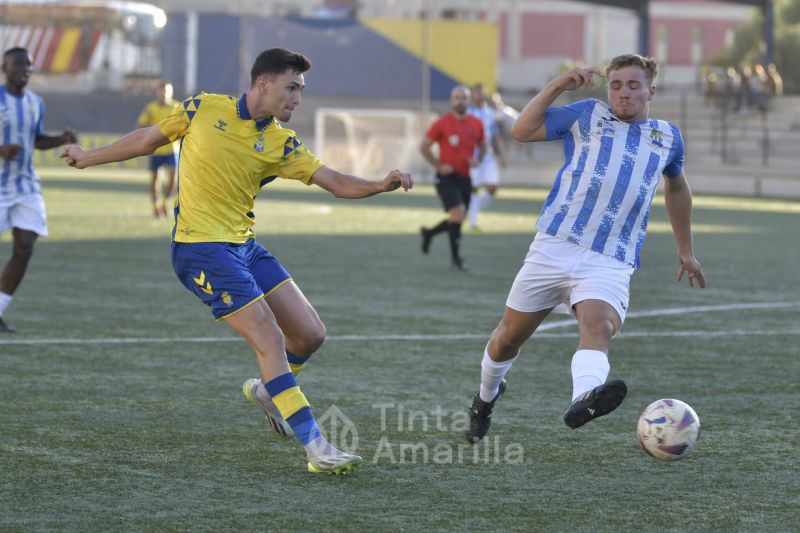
(121, 404)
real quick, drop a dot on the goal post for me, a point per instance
(368, 142)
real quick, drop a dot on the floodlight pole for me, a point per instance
(644, 27)
(768, 10)
(426, 66)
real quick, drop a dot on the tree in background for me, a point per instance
(747, 47)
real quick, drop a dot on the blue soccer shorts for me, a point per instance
(227, 277)
(158, 161)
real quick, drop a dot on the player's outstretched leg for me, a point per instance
(253, 389)
(295, 410)
(480, 415)
(595, 403)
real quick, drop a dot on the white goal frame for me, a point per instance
(359, 166)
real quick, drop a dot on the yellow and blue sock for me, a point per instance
(296, 363)
(294, 408)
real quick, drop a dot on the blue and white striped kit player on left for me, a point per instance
(22, 208)
(591, 230)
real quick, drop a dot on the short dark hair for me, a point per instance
(648, 64)
(15, 50)
(277, 61)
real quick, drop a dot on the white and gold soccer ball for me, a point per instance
(668, 430)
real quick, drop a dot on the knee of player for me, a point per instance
(23, 249)
(505, 341)
(598, 326)
(312, 339)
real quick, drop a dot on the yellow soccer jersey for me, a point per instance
(152, 114)
(225, 159)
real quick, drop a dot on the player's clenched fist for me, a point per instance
(72, 154)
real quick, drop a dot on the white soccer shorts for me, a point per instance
(487, 173)
(559, 274)
(26, 212)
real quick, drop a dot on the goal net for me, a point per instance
(368, 142)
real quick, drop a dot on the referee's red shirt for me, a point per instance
(457, 139)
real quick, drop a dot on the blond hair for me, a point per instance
(648, 64)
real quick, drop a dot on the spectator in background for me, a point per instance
(730, 90)
(22, 207)
(773, 85)
(758, 77)
(711, 90)
(744, 96)
(164, 156)
(774, 79)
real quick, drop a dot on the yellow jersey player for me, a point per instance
(230, 148)
(164, 156)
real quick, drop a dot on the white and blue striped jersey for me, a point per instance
(601, 196)
(488, 118)
(21, 121)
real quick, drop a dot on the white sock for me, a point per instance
(5, 301)
(484, 199)
(492, 373)
(479, 202)
(474, 209)
(589, 369)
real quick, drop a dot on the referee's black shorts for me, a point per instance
(454, 190)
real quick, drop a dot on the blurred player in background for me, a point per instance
(462, 145)
(164, 156)
(506, 116)
(591, 230)
(231, 147)
(22, 207)
(485, 176)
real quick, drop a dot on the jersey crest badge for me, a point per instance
(227, 299)
(453, 140)
(657, 137)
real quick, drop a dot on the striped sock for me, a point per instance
(296, 364)
(294, 408)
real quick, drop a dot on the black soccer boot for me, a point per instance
(595, 403)
(480, 416)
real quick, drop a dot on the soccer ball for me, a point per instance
(668, 430)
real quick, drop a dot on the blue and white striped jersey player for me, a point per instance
(22, 208)
(230, 148)
(591, 230)
(486, 176)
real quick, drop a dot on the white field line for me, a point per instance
(540, 333)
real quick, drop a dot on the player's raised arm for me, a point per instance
(530, 124)
(137, 143)
(346, 186)
(678, 199)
